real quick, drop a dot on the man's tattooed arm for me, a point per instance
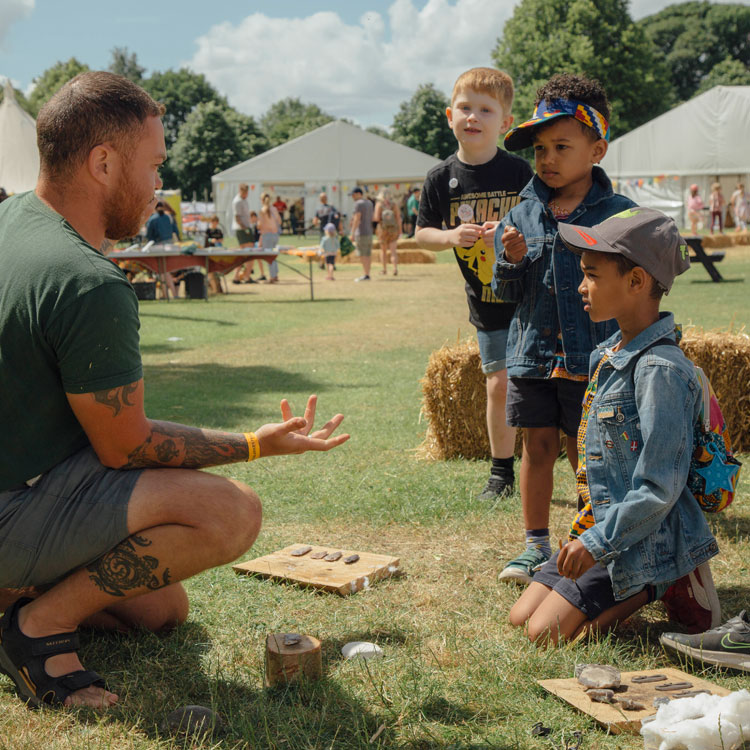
(116, 398)
(178, 445)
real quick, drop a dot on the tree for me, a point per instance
(213, 137)
(180, 92)
(125, 64)
(51, 80)
(421, 123)
(290, 118)
(377, 130)
(596, 38)
(694, 37)
(728, 72)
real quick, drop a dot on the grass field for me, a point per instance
(455, 674)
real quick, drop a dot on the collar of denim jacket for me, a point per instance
(662, 329)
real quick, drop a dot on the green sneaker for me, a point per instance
(521, 570)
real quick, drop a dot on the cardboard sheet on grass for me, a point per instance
(336, 577)
(455, 397)
(611, 716)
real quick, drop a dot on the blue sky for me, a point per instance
(356, 59)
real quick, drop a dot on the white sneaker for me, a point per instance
(362, 278)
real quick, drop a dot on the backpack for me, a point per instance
(714, 471)
(388, 220)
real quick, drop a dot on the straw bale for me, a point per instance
(730, 239)
(405, 256)
(725, 358)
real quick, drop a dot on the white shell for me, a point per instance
(361, 650)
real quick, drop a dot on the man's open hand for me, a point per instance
(514, 244)
(294, 435)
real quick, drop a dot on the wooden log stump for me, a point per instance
(288, 659)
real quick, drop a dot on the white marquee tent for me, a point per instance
(334, 158)
(19, 157)
(701, 141)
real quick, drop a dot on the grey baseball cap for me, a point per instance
(644, 236)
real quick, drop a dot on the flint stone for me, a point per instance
(598, 676)
(192, 721)
(601, 695)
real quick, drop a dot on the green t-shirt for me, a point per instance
(68, 323)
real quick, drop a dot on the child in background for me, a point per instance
(740, 208)
(640, 533)
(330, 246)
(244, 274)
(716, 205)
(469, 193)
(214, 239)
(551, 337)
(694, 206)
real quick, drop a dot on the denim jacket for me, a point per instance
(639, 438)
(545, 282)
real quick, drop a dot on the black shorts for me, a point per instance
(545, 402)
(591, 593)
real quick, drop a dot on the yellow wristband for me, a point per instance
(253, 446)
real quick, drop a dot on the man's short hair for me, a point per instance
(496, 83)
(244, 186)
(93, 108)
(570, 86)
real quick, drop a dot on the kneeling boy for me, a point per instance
(640, 530)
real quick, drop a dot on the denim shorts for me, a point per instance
(545, 402)
(74, 513)
(591, 593)
(492, 349)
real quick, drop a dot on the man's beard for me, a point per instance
(124, 211)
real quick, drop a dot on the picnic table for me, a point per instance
(165, 258)
(699, 255)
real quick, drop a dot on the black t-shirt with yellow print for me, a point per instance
(452, 192)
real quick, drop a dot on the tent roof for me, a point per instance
(705, 135)
(335, 152)
(19, 156)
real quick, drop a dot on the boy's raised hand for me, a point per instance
(514, 244)
(464, 235)
(293, 434)
(574, 560)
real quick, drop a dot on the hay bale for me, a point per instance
(455, 396)
(725, 358)
(405, 256)
(730, 239)
(455, 404)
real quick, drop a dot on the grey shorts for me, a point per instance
(363, 243)
(75, 513)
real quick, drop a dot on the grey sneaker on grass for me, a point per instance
(496, 489)
(727, 645)
(521, 570)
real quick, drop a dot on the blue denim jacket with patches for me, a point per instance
(545, 282)
(639, 440)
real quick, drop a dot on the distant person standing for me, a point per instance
(269, 226)
(241, 216)
(326, 214)
(694, 206)
(161, 226)
(360, 232)
(716, 205)
(412, 210)
(280, 205)
(330, 247)
(740, 208)
(387, 219)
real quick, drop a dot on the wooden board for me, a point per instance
(613, 717)
(336, 576)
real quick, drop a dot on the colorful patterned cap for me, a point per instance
(521, 136)
(645, 236)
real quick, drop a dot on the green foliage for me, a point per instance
(728, 72)
(51, 80)
(694, 37)
(377, 130)
(290, 118)
(213, 137)
(421, 123)
(596, 38)
(125, 64)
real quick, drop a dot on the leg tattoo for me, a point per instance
(121, 570)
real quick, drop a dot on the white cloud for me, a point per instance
(362, 71)
(12, 11)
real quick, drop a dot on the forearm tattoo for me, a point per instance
(116, 398)
(177, 445)
(123, 569)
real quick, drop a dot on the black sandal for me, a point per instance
(23, 658)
